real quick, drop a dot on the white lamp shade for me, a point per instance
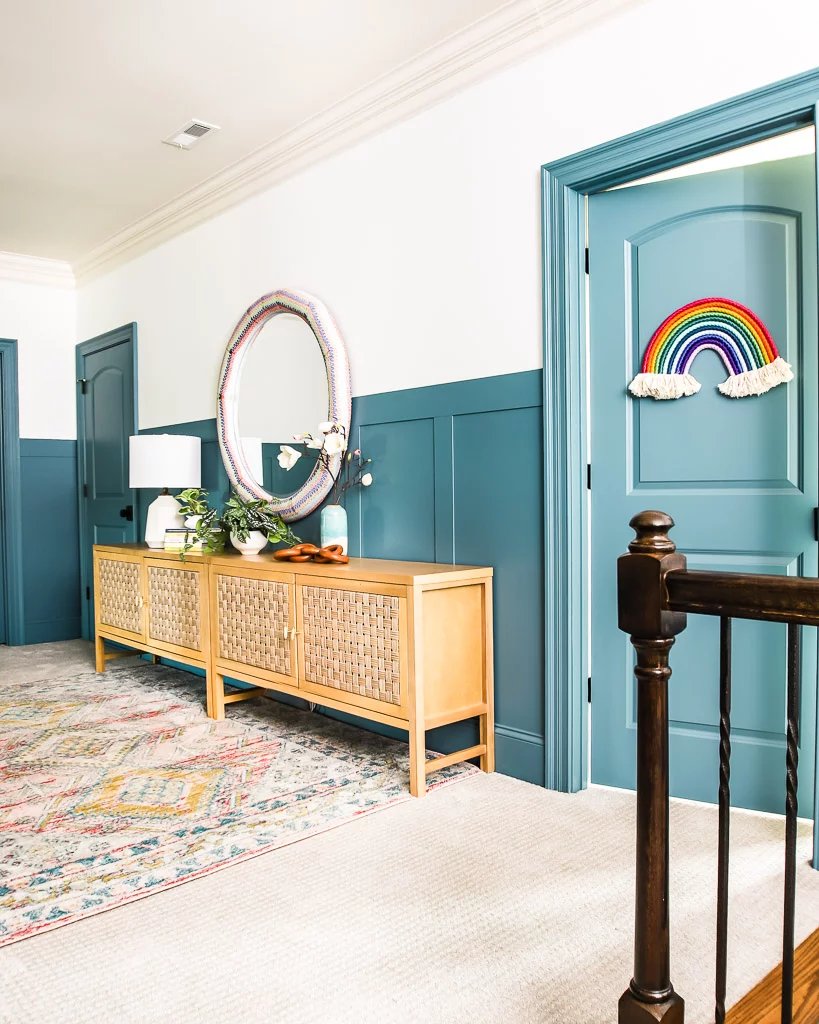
(252, 447)
(165, 460)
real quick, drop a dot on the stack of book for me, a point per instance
(177, 539)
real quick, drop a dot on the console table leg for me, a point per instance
(99, 653)
(418, 757)
(487, 721)
(216, 694)
(487, 727)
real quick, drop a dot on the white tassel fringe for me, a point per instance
(664, 385)
(757, 382)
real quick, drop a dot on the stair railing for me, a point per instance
(655, 592)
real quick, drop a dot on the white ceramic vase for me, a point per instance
(256, 540)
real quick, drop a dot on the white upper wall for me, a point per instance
(425, 240)
(42, 320)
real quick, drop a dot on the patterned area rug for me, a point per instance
(115, 787)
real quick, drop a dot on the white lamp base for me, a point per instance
(163, 514)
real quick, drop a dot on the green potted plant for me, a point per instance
(202, 521)
(252, 523)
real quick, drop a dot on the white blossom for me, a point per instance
(334, 443)
(288, 457)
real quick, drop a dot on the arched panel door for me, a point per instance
(106, 417)
(738, 475)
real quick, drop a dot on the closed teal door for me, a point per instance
(738, 475)
(106, 418)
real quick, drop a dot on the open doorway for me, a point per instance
(762, 114)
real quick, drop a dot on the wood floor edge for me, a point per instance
(762, 1005)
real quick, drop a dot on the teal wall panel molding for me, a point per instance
(50, 534)
(11, 510)
(751, 117)
(458, 478)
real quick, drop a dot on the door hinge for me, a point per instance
(588, 476)
(589, 690)
(816, 524)
(82, 382)
(85, 490)
(87, 593)
(587, 259)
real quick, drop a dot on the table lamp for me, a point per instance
(164, 460)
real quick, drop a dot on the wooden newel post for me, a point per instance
(642, 613)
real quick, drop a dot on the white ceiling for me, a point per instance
(89, 88)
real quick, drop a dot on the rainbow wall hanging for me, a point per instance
(736, 333)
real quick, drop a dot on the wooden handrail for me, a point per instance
(744, 596)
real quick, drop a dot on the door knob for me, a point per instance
(127, 513)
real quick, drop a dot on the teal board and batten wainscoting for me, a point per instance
(50, 548)
(458, 478)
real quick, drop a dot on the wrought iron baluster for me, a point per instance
(791, 808)
(724, 814)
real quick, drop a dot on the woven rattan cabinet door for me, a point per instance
(119, 595)
(177, 607)
(353, 642)
(253, 624)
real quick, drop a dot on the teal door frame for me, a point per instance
(751, 117)
(128, 332)
(11, 528)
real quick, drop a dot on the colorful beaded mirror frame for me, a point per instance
(309, 496)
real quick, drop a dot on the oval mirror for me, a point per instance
(285, 371)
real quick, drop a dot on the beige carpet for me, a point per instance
(490, 901)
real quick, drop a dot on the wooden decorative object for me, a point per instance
(332, 554)
(407, 644)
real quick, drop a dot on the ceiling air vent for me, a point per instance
(190, 133)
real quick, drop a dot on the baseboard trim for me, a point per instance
(520, 753)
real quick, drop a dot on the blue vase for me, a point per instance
(334, 526)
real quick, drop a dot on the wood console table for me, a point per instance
(408, 644)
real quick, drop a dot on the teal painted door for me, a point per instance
(106, 418)
(739, 476)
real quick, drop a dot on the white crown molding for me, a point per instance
(15, 266)
(513, 32)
